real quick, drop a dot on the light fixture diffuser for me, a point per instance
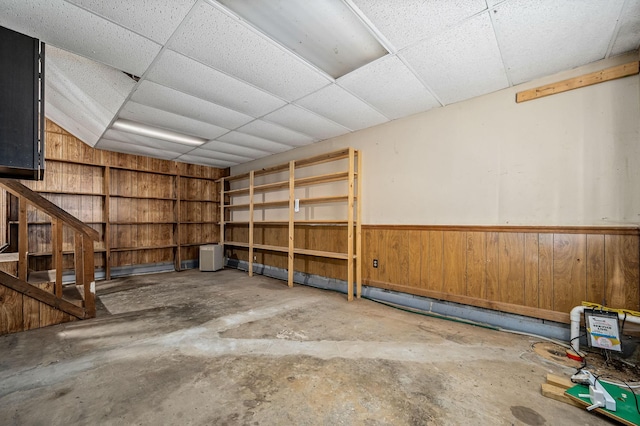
(156, 133)
(326, 33)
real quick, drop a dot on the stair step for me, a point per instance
(41, 276)
(9, 263)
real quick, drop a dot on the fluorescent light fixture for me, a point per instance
(326, 33)
(156, 133)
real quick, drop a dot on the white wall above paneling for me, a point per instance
(197, 68)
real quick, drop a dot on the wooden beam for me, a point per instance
(359, 227)
(56, 251)
(251, 186)
(291, 247)
(350, 214)
(23, 239)
(631, 68)
(106, 217)
(40, 295)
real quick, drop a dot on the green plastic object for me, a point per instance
(626, 410)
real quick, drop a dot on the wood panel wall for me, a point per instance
(540, 272)
(146, 210)
(19, 312)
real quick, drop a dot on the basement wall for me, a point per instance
(151, 214)
(526, 208)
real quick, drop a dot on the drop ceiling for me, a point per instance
(198, 69)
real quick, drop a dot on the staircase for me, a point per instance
(33, 302)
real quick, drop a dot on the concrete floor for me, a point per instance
(219, 348)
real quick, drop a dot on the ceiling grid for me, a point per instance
(210, 74)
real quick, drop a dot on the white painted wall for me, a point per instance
(567, 159)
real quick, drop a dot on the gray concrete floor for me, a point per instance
(222, 348)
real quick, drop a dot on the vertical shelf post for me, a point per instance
(107, 221)
(222, 217)
(177, 260)
(359, 228)
(350, 215)
(292, 195)
(251, 183)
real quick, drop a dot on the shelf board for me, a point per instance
(311, 180)
(305, 252)
(143, 197)
(78, 193)
(197, 244)
(198, 177)
(305, 162)
(201, 222)
(48, 253)
(121, 249)
(200, 200)
(318, 200)
(286, 222)
(127, 223)
(154, 172)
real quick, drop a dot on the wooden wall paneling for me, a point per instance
(531, 264)
(397, 256)
(621, 265)
(369, 253)
(511, 268)
(455, 262)
(415, 258)
(53, 146)
(30, 313)
(10, 311)
(493, 266)
(434, 261)
(569, 271)
(595, 269)
(545, 270)
(476, 264)
(48, 315)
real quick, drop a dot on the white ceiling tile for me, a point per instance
(156, 19)
(94, 120)
(101, 84)
(124, 137)
(389, 86)
(306, 122)
(234, 149)
(276, 133)
(250, 141)
(70, 124)
(167, 99)
(342, 107)
(566, 34)
(404, 22)
(460, 63)
(628, 36)
(194, 159)
(167, 120)
(132, 148)
(189, 76)
(217, 155)
(242, 52)
(69, 27)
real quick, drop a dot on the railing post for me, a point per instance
(23, 239)
(56, 250)
(89, 277)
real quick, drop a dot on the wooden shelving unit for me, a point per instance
(155, 214)
(330, 179)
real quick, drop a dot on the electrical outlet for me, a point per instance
(255, 258)
(375, 263)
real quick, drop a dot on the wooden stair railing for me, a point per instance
(84, 236)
